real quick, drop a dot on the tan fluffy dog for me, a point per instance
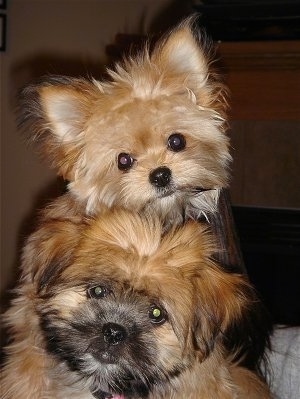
(151, 136)
(112, 309)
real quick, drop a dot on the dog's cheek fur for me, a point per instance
(170, 353)
(62, 339)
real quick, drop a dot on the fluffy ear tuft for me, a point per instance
(57, 108)
(184, 57)
(180, 53)
(64, 111)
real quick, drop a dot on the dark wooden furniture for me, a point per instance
(263, 78)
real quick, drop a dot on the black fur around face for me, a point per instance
(109, 341)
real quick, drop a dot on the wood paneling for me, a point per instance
(263, 78)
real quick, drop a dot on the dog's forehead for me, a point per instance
(129, 269)
(135, 250)
(132, 117)
(154, 111)
(143, 126)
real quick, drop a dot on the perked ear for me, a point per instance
(188, 58)
(180, 53)
(58, 108)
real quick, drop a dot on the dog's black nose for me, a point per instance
(113, 333)
(160, 177)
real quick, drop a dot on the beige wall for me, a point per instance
(53, 36)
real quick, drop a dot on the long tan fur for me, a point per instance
(81, 276)
(84, 125)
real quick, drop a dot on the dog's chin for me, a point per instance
(175, 205)
(131, 390)
(106, 395)
(166, 193)
(122, 386)
(112, 377)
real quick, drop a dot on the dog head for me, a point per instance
(129, 310)
(152, 136)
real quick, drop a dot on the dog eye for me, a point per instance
(176, 142)
(125, 161)
(157, 314)
(97, 292)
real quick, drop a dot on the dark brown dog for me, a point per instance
(114, 309)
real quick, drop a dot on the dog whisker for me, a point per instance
(194, 190)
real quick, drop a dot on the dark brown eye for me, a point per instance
(125, 161)
(157, 314)
(176, 142)
(97, 292)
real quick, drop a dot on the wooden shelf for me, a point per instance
(263, 78)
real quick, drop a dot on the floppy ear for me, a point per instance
(222, 300)
(49, 250)
(187, 59)
(58, 109)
